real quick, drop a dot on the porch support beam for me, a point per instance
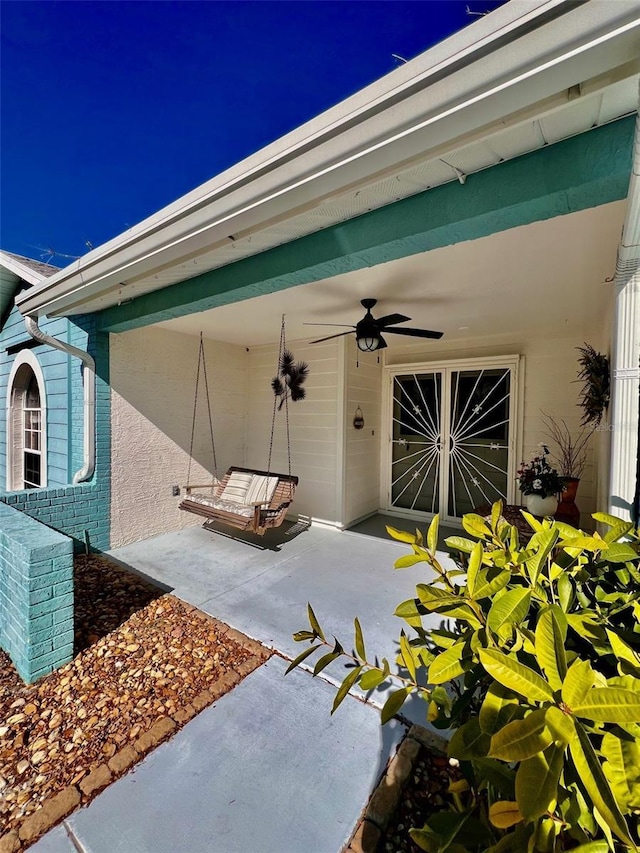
(582, 172)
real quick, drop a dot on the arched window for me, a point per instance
(26, 425)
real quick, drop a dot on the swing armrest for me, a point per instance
(189, 489)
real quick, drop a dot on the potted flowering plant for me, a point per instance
(540, 484)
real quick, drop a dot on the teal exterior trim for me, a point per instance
(585, 171)
(36, 595)
(83, 511)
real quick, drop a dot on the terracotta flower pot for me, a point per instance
(567, 509)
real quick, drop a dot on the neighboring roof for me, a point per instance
(16, 268)
(26, 268)
(526, 75)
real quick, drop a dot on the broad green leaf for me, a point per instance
(560, 725)
(498, 774)
(459, 543)
(360, 650)
(432, 534)
(588, 543)
(490, 581)
(394, 703)
(521, 739)
(513, 842)
(447, 604)
(622, 769)
(469, 741)
(498, 708)
(300, 636)
(324, 661)
(532, 521)
(408, 610)
(592, 847)
(544, 836)
(401, 535)
(565, 591)
(315, 625)
(475, 525)
(620, 552)
(475, 562)
(609, 705)
(509, 608)
(504, 814)
(537, 782)
(407, 561)
(372, 679)
(345, 687)
(605, 518)
(595, 782)
(551, 632)
(577, 683)
(407, 655)
(496, 512)
(544, 542)
(426, 839)
(302, 656)
(515, 676)
(618, 531)
(623, 651)
(448, 665)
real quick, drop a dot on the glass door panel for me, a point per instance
(416, 442)
(479, 438)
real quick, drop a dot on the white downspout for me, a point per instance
(626, 351)
(89, 458)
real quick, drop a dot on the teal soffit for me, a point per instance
(585, 171)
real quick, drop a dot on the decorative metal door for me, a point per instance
(451, 440)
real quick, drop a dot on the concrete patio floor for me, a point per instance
(266, 768)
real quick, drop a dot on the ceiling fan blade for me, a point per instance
(382, 343)
(391, 319)
(416, 333)
(339, 335)
(342, 325)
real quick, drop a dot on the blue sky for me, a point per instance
(110, 110)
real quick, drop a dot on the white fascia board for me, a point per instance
(23, 272)
(519, 54)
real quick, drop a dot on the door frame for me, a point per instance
(514, 362)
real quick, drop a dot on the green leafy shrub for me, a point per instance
(535, 673)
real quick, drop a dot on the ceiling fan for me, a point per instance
(369, 330)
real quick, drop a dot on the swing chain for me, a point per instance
(202, 361)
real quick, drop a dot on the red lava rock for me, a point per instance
(135, 677)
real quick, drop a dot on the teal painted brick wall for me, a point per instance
(78, 511)
(36, 594)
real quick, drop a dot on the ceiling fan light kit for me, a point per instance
(368, 330)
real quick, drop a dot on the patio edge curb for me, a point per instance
(385, 798)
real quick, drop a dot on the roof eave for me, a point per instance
(246, 189)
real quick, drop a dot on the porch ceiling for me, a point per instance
(546, 278)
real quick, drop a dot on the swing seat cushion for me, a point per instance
(261, 489)
(237, 487)
(211, 501)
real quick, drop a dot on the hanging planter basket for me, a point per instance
(596, 390)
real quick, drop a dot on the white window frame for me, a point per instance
(15, 443)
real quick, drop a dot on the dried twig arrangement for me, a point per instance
(571, 456)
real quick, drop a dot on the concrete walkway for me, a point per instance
(265, 769)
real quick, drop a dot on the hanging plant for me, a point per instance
(596, 392)
(291, 376)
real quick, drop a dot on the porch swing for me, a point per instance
(245, 498)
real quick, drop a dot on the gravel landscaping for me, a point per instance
(145, 663)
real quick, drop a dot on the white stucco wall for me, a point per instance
(313, 422)
(549, 385)
(153, 375)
